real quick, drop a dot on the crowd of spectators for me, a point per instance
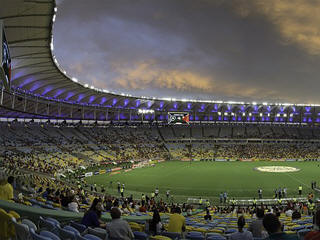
(48, 149)
(245, 151)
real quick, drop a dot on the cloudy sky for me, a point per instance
(264, 50)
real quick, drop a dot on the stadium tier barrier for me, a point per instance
(33, 213)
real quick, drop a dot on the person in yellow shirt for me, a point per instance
(177, 222)
(6, 189)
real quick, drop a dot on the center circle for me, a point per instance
(277, 169)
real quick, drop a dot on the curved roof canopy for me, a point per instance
(28, 27)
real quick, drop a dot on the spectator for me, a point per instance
(154, 225)
(241, 234)
(208, 216)
(177, 222)
(273, 226)
(11, 181)
(296, 215)
(73, 205)
(143, 208)
(118, 229)
(6, 190)
(92, 217)
(256, 227)
(314, 235)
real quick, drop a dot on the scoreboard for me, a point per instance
(178, 117)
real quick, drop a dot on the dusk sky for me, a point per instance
(201, 49)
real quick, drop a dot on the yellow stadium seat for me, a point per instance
(159, 237)
(6, 227)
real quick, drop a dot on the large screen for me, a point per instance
(178, 118)
(5, 67)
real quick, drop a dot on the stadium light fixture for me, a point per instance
(226, 114)
(250, 114)
(260, 114)
(243, 114)
(285, 115)
(219, 113)
(278, 114)
(145, 111)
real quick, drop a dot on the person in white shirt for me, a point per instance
(73, 205)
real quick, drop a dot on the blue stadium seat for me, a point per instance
(36, 236)
(172, 235)
(298, 228)
(48, 206)
(302, 233)
(215, 236)
(30, 224)
(194, 233)
(72, 229)
(67, 234)
(80, 227)
(81, 238)
(49, 235)
(230, 231)
(55, 221)
(140, 235)
(48, 225)
(195, 237)
(22, 231)
(91, 237)
(99, 232)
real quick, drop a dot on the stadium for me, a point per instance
(65, 146)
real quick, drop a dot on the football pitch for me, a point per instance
(209, 179)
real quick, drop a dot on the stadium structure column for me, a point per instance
(48, 108)
(59, 109)
(13, 100)
(1, 99)
(25, 102)
(71, 112)
(82, 114)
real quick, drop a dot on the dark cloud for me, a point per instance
(239, 50)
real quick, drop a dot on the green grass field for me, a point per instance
(208, 179)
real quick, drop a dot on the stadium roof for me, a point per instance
(28, 26)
